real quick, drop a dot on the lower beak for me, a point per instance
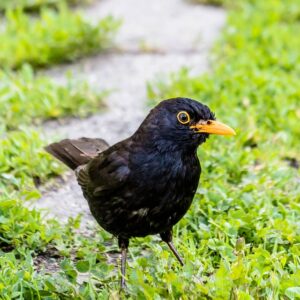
(213, 127)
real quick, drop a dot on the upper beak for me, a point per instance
(213, 127)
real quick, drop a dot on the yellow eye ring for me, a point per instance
(183, 117)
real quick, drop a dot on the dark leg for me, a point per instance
(123, 244)
(167, 237)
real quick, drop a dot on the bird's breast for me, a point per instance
(165, 187)
(156, 194)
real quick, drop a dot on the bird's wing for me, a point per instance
(74, 153)
(90, 147)
(107, 172)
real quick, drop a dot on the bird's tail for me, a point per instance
(75, 153)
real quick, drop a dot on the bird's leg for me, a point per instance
(123, 244)
(167, 237)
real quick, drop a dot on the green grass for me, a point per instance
(240, 239)
(28, 239)
(248, 190)
(54, 37)
(34, 5)
(23, 160)
(27, 99)
(209, 2)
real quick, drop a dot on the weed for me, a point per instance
(35, 5)
(248, 190)
(27, 99)
(54, 37)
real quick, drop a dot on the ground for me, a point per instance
(241, 237)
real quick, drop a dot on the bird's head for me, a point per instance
(181, 123)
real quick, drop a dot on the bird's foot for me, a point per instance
(167, 238)
(123, 244)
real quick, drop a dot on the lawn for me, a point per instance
(36, 5)
(240, 239)
(53, 37)
(243, 232)
(28, 99)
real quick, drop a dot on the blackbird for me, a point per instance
(146, 183)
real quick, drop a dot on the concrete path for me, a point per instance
(157, 37)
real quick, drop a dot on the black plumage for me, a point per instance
(145, 184)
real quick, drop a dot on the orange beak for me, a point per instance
(213, 127)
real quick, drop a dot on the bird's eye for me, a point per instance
(183, 117)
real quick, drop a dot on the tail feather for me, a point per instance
(75, 153)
